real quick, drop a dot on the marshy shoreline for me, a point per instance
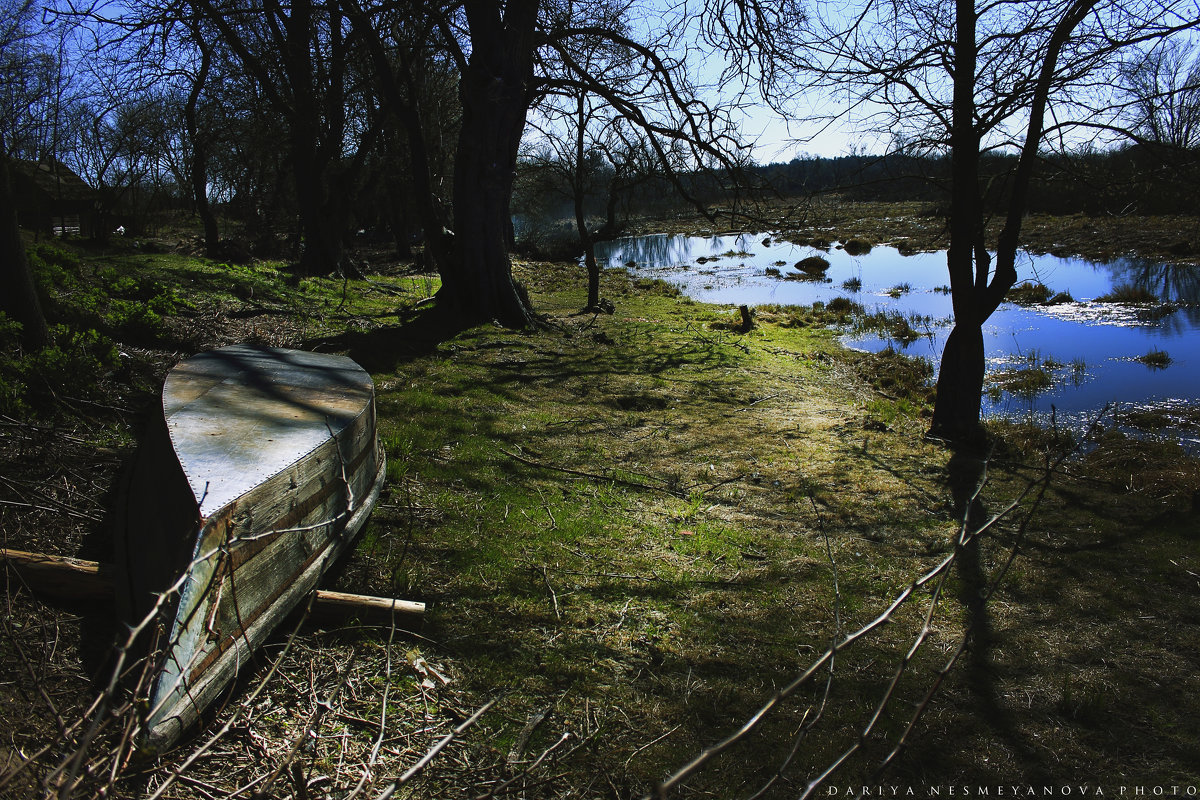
(1170, 239)
(1047, 357)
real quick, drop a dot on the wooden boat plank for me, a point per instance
(286, 500)
(244, 574)
(180, 704)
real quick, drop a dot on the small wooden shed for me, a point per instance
(52, 199)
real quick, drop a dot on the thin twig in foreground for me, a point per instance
(416, 769)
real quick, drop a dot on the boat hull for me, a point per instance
(282, 467)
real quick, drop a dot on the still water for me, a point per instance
(1089, 348)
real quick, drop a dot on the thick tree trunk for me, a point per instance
(977, 295)
(960, 377)
(429, 208)
(317, 121)
(578, 191)
(593, 274)
(397, 223)
(317, 203)
(960, 384)
(18, 295)
(318, 222)
(212, 235)
(589, 255)
(477, 284)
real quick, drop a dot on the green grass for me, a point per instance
(641, 525)
(629, 493)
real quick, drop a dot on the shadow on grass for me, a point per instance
(966, 473)
(385, 348)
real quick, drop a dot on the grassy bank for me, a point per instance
(632, 530)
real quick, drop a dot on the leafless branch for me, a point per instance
(432, 753)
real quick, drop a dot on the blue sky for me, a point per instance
(777, 139)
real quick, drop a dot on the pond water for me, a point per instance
(1089, 349)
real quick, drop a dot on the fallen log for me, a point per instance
(76, 579)
(330, 606)
(60, 576)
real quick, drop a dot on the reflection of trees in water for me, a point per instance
(1170, 283)
(657, 250)
(665, 250)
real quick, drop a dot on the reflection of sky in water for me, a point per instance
(1106, 337)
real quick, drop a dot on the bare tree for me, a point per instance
(616, 112)
(299, 55)
(1163, 86)
(31, 77)
(200, 138)
(414, 78)
(508, 56)
(573, 165)
(314, 61)
(966, 79)
(311, 62)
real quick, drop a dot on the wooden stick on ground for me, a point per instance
(77, 579)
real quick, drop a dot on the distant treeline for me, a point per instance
(1135, 179)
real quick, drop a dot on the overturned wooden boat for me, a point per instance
(264, 467)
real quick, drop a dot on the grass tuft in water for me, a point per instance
(1155, 359)
(899, 327)
(1030, 293)
(1031, 374)
(1128, 294)
(857, 247)
(813, 264)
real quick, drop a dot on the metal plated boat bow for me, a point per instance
(266, 467)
